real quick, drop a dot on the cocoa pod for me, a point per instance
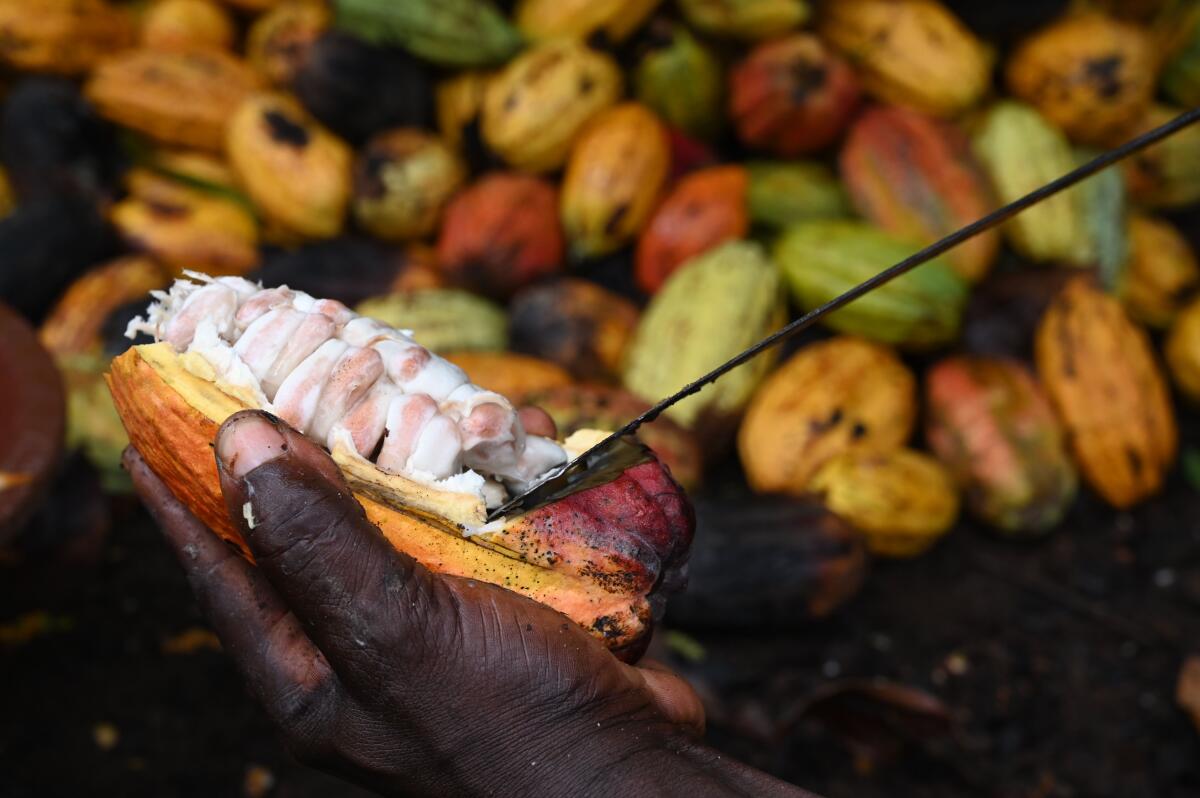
(902, 500)
(31, 424)
(63, 37)
(357, 90)
(93, 426)
(186, 228)
(44, 245)
(511, 375)
(1089, 74)
(536, 106)
(745, 19)
(706, 208)
(350, 270)
(459, 105)
(919, 310)
(782, 194)
(1182, 351)
(501, 234)
(1100, 372)
(1162, 272)
(174, 25)
(296, 172)
(52, 141)
(913, 53)
(1167, 174)
(590, 406)
(734, 289)
(552, 19)
(459, 33)
(617, 170)
(575, 323)
(834, 396)
(1022, 151)
(402, 181)
(990, 423)
(279, 42)
(680, 79)
(769, 563)
(1105, 203)
(792, 96)
(442, 320)
(74, 325)
(1181, 76)
(182, 98)
(916, 178)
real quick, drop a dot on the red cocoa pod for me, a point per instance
(792, 96)
(704, 209)
(992, 425)
(915, 177)
(501, 234)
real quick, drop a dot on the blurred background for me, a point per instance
(948, 544)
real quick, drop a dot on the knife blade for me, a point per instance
(606, 458)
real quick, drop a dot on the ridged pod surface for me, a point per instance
(734, 289)
(843, 394)
(1088, 73)
(704, 209)
(914, 53)
(824, 259)
(783, 193)
(991, 424)
(443, 320)
(902, 500)
(745, 19)
(536, 106)
(617, 170)
(552, 19)
(680, 79)
(456, 33)
(916, 177)
(1162, 272)
(1101, 374)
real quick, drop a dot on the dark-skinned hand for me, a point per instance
(409, 682)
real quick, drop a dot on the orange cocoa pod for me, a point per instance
(1110, 393)
(704, 209)
(184, 24)
(509, 374)
(74, 325)
(916, 177)
(792, 96)
(501, 234)
(1161, 274)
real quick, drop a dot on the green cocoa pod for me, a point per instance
(680, 79)
(459, 33)
(1022, 151)
(1106, 221)
(442, 320)
(825, 258)
(713, 307)
(781, 194)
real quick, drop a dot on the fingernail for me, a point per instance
(247, 440)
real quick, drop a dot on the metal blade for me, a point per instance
(583, 471)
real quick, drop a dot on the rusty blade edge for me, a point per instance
(559, 484)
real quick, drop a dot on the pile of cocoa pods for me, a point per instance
(588, 203)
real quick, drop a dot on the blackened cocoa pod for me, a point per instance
(44, 245)
(1004, 311)
(358, 89)
(767, 562)
(348, 269)
(51, 141)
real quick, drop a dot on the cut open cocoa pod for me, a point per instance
(426, 452)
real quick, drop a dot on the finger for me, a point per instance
(360, 600)
(282, 667)
(537, 421)
(673, 696)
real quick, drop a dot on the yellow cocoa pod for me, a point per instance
(403, 180)
(296, 172)
(533, 110)
(184, 98)
(1090, 74)
(617, 170)
(1161, 274)
(552, 19)
(1183, 351)
(914, 53)
(844, 394)
(745, 19)
(459, 101)
(65, 37)
(184, 24)
(902, 501)
(278, 40)
(1099, 370)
